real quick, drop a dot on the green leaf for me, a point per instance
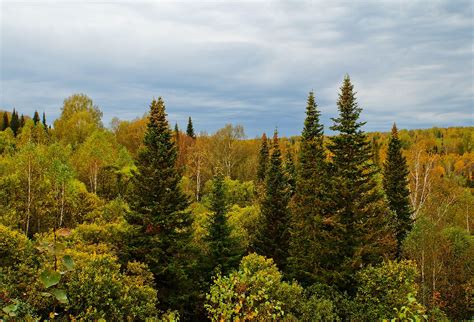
(60, 295)
(68, 262)
(10, 309)
(50, 278)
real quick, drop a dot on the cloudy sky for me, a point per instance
(247, 62)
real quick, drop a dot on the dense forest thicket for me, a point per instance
(141, 220)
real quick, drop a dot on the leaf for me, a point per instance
(68, 262)
(60, 295)
(50, 278)
(10, 309)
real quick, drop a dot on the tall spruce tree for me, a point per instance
(224, 250)
(310, 243)
(190, 129)
(395, 183)
(22, 121)
(263, 159)
(15, 122)
(36, 118)
(272, 236)
(159, 205)
(363, 226)
(290, 171)
(5, 122)
(44, 121)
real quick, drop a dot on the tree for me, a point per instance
(290, 172)
(311, 248)
(36, 118)
(15, 122)
(44, 121)
(162, 223)
(364, 235)
(395, 183)
(224, 252)
(190, 129)
(263, 159)
(22, 121)
(272, 239)
(5, 123)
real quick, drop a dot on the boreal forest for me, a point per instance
(145, 220)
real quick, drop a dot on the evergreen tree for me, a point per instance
(263, 159)
(224, 251)
(290, 172)
(44, 121)
(36, 118)
(190, 129)
(310, 244)
(159, 213)
(5, 123)
(176, 134)
(22, 120)
(395, 183)
(363, 230)
(15, 122)
(272, 237)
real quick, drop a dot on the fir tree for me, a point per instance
(5, 123)
(290, 172)
(263, 159)
(363, 230)
(190, 129)
(395, 183)
(159, 212)
(15, 122)
(224, 251)
(310, 244)
(44, 121)
(272, 237)
(36, 118)
(22, 120)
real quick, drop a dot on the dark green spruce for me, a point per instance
(5, 122)
(163, 225)
(290, 171)
(395, 183)
(36, 118)
(364, 233)
(263, 157)
(15, 122)
(311, 245)
(272, 237)
(224, 251)
(190, 129)
(44, 121)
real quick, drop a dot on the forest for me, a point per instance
(143, 220)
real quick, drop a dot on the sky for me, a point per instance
(242, 62)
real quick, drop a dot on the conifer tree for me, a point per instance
(190, 129)
(363, 230)
(15, 122)
(5, 123)
(263, 159)
(272, 237)
(36, 118)
(395, 183)
(290, 172)
(159, 212)
(310, 243)
(224, 251)
(22, 120)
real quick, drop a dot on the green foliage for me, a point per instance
(263, 157)
(190, 129)
(385, 287)
(395, 183)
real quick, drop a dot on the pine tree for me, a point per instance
(363, 230)
(22, 121)
(36, 118)
(159, 213)
(15, 122)
(395, 183)
(310, 244)
(263, 159)
(5, 123)
(190, 129)
(272, 237)
(224, 251)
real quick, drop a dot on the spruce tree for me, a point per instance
(163, 224)
(5, 123)
(36, 118)
(15, 122)
(272, 236)
(44, 121)
(22, 120)
(395, 183)
(310, 244)
(224, 250)
(263, 159)
(190, 129)
(363, 224)
(290, 172)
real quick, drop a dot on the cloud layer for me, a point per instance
(250, 62)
